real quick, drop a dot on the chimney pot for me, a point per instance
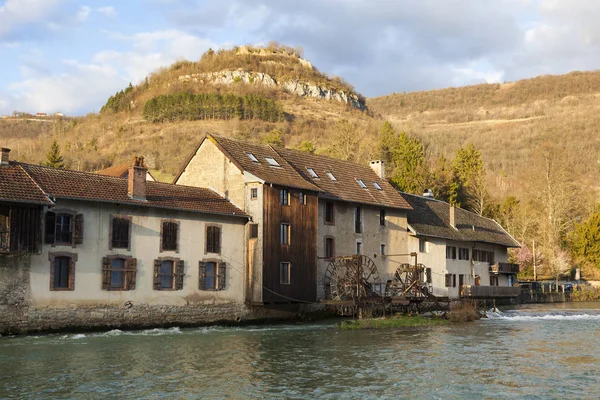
(136, 181)
(428, 193)
(378, 167)
(5, 156)
(452, 218)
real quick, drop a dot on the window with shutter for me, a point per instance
(179, 265)
(213, 239)
(168, 273)
(169, 236)
(119, 272)
(62, 270)
(222, 278)
(50, 226)
(202, 275)
(120, 232)
(78, 232)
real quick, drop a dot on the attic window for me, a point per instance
(251, 156)
(330, 175)
(361, 183)
(312, 172)
(377, 186)
(272, 162)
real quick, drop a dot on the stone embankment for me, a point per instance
(293, 86)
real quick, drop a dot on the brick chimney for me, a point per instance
(377, 166)
(452, 220)
(136, 181)
(5, 158)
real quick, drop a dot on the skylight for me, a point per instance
(330, 175)
(377, 186)
(272, 162)
(251, 156)
(361, 183)
(312, 172)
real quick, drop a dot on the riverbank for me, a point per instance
(398, 321)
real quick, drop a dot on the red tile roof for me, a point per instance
(66, 184)
(17, 186)
(120, 170)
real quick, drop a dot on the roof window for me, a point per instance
(330, 175)
(377, 186)
(312, 172)
(272, 162)
(251, 156)
(361, 183)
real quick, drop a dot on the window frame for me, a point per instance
(253, 158)
(220, 274)
(330, 256)
(285, 232)
(129, 272)
(282, 264)
(461, 256)
(358, 220)
(330, 221)
(359, 247)
(361, 183)
(382, 249)
(177, 274)
(253, 193)
(162, 233)
(382, 217)
(126, 217)
(452, 250)
(284, 197)
(252, 226)
(331, 176)
(72, 263)
(220, 239)
(302, 198)
(313, 174)
(423, 245)
(272, 162)
(75, 227)
(377, 186)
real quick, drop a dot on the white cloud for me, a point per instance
(108, 12)
(82, 14)
(15, 14)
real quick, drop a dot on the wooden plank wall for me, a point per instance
(302, 251)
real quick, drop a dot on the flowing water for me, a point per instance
(538, 352)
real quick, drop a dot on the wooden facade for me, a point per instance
(20, 228)
(301, 252)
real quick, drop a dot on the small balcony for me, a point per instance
(504, 268)
(489, 292)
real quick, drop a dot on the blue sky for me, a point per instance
(70, 55)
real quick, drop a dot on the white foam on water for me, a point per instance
(554, 316)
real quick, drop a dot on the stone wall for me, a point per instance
(14, 293)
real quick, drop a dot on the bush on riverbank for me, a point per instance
(391, 322)
(583, 293)
(463, 312)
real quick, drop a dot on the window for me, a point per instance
(463, 253)
(120, 236)
(477, 280)
(357, 219)
(254, 193)
(330, 175)
(329, 247)
(358, 247)
(382, 252)
(213, 239)
(450, 280)
(284, 197)
(302, 198)
(64, 228)
(252, 157)
(284, 273)
(4, 228)
(168, 274)
(272, 162)
(169, 236)
(212, 275)
(483, 256)
(422, 245)
(329, 213)
(428, 277)
(361, 183)
(253, 231)
(62, 270)
(450, 252)
(285, 233)
(312, 173)
(493, 280)
(118, 272)
(382, 217)
(377, 186)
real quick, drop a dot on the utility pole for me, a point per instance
(534, 266)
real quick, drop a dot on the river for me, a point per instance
(535, 352)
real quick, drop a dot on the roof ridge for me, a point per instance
(34, 182)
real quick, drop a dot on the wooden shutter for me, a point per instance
(105, 273)
(157, 264)
(131, 273)
(222, 276)
(428, 272)
(453, 280)
(217, 240)
(210, 239)
(71, 273)
(179, 275)
(78, 231)
(202, 275)
(50, 227)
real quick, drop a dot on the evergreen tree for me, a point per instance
(470, 187)
(273, 137)
(409, 168)
(53, 157)
(585, 240)
(307, 145)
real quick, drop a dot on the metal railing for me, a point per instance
(504, 268)
(476, 291)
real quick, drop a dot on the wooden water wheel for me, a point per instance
(351, 278)
(408, 281)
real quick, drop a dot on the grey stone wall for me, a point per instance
(14, 293)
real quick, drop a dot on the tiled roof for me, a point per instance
(345, 187)
(293, 172)
(430, 217)
(119, 170)
(60, 183)
(17, 186)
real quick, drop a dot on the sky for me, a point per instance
(69, 56)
